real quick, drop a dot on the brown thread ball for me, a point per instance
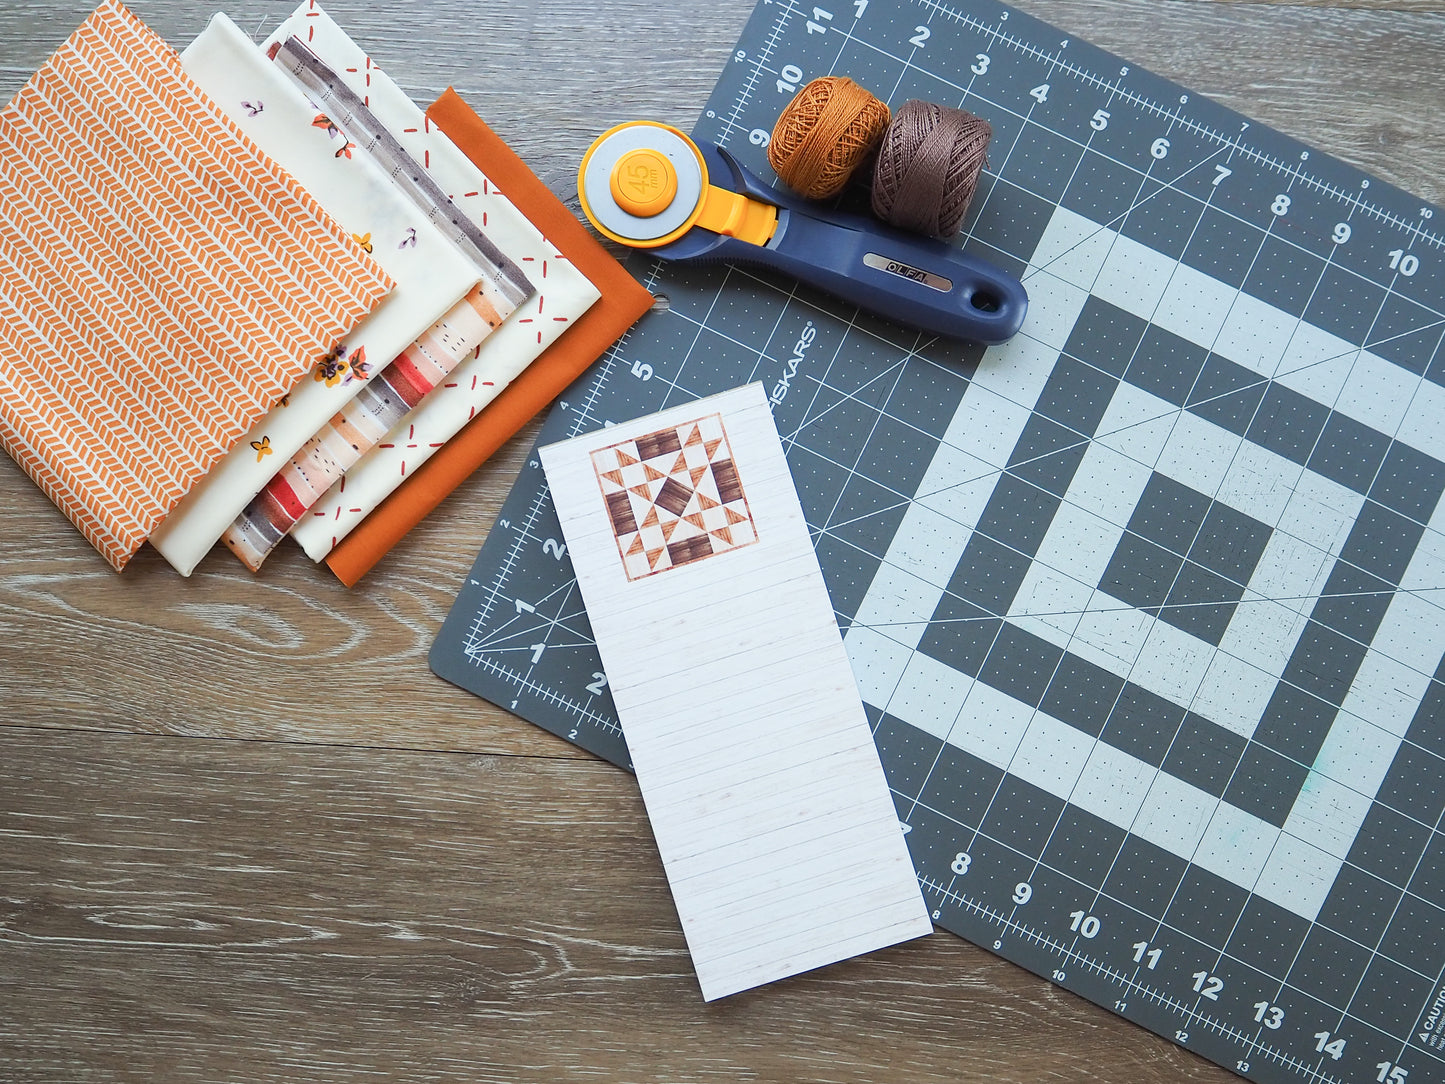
(824, 134)
(928, 167)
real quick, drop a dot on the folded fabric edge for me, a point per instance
(480, 378)
(278, 175)
(369, 282)
(219, 517)
(623, 300)
(312, 73)
(355, 428)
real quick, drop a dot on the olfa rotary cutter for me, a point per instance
(647, 185)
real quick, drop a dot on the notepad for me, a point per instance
(756, 762)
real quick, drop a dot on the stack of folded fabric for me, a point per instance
(248, 291)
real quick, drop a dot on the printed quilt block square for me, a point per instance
(674, 497)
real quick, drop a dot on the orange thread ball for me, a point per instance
(824, 134)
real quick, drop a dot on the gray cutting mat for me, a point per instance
(1145, 605)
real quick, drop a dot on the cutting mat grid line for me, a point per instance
(993, 33)
(1010, 918)
(1128, 985)
(1145, 604)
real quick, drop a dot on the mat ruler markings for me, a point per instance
(1177, 116)
(524, 532)
(582, 697)
(1009, 921)
(1127, 985)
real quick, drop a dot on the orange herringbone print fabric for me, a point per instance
(162, 282)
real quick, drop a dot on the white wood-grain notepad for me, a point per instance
(755, 759)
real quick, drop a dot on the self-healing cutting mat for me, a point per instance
(1145, 604)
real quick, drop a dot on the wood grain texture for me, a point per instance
(204, 910)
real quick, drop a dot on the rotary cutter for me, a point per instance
(647, 185)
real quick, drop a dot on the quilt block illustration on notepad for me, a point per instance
(674, 497)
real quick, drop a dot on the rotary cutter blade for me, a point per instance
(648, 185)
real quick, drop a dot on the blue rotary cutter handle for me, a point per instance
(648, 186)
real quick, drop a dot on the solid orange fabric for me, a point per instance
(623, 301)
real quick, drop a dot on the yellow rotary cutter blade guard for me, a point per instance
(647, 185)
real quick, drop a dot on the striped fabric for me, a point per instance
(356, 428)
(354, 186)
(162, 282)
(563, 292)
(623, 301)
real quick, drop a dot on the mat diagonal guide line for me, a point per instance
(1144, 604)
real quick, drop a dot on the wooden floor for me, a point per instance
(246, 835)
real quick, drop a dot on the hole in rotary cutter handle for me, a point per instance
(984, 302)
